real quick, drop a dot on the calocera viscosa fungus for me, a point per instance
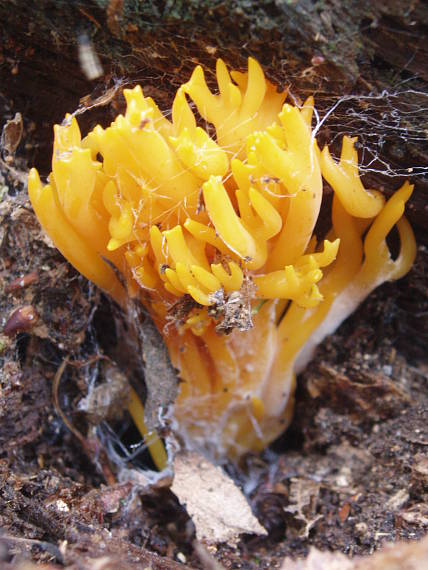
(216, 233)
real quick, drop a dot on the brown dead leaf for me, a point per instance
(344, 512)
(303, 502)
(417, 515)
(420, 468)
(218, 508)
(364, 392)
(419, 478)
(318, 560)
(12, 134)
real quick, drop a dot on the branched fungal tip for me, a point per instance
(216, 235)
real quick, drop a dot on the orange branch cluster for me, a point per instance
(216, 233)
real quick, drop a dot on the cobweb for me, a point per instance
(387, 121)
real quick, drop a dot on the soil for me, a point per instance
(349, 475)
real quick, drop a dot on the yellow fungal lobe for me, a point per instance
(215, 235)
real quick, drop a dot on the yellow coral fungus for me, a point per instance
(215, 235)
